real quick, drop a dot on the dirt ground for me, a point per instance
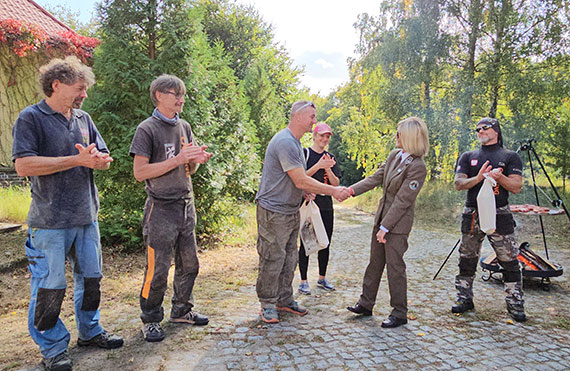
(225, 291)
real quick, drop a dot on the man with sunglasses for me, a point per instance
(279, 198)
(165, 155)
(505, 167)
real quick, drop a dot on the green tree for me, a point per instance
(141, 40)
(264, 69)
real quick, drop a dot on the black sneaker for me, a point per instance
(462, 306)
(516, 311)
(192, 318)
(152, 332)
(61, 362)
(103, 340)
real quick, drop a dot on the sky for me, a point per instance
(318, 34)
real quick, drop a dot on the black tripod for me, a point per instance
(526, 145)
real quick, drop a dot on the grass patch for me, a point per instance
(242, 228)
(563, 323)
(15, 204)
(438, 205)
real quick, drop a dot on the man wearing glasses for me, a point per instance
(505, 167)
(165, 155)
(279, 198)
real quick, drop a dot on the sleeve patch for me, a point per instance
(414, 185)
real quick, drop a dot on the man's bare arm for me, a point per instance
(462, 182)
(41, 165)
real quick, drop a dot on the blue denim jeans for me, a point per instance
(47, 250)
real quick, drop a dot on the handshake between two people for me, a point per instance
(339, 193)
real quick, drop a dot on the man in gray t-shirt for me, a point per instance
(165, 155)
(278, 200)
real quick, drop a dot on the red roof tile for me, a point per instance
(30, 11)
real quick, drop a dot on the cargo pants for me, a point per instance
(47, 250)
(277, 249)
(168, 228)
(506, 249)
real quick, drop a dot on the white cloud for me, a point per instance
(321, 85)
(324, 64)
(317, 27)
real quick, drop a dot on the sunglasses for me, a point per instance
(484, 127)
(309, 104)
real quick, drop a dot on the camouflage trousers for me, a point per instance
(506, 249)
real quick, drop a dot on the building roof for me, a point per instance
(30, 11)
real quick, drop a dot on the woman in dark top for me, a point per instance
(321, 165)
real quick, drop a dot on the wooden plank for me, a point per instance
(6, 227)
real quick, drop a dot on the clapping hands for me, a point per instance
(92, 158)
(326, 162)
(194, 154)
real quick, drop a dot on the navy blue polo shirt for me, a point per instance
(67, 198)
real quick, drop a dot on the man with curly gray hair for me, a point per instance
(57, 145)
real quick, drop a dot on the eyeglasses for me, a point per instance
(177, 96)
(484, 127)
(309, 104)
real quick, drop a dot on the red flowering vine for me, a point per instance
(69, 42)
(24, 37)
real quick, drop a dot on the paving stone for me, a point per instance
(330, 338)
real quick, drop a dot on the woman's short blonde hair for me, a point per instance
(414, 137)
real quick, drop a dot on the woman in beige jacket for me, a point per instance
(401, 177)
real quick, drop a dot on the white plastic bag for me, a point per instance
(486, 206)
(312, 230)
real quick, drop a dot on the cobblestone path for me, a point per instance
(332, 338)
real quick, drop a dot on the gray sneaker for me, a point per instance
(304, 288)
(294, 308)
(152, 332)
(269, 315)
(60, 362)
(104, 340)
(325, 285)
(192, 318)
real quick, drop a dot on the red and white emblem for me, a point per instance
(474, 162)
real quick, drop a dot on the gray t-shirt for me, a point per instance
(158, 141)
(277, 192)
(67, 198)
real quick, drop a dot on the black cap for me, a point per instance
(495, 126)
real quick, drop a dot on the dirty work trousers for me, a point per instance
(168, 228)
(277, 249)
(47, 250)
